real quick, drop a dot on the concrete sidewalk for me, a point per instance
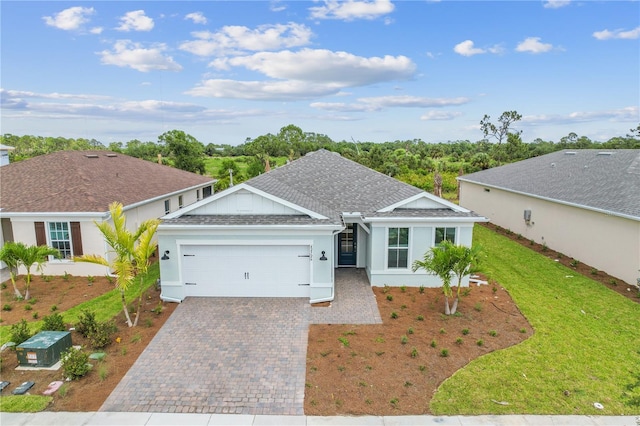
(104, 418)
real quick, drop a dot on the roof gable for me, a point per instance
(423, 200)
(88, 181)
(602, 180)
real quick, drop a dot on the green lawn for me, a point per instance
(105, 307)
(585, 348)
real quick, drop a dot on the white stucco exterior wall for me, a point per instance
(603, 241)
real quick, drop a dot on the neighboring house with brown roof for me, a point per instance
(583, 203)
(54, 199)
(283, 233)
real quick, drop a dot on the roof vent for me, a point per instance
(553, 164)
(91, 155)
(605, 153)
(570, 153)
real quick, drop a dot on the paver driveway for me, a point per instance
(222, 355)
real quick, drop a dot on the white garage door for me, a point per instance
(246, 271)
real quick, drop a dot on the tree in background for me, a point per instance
(184, 150)
(131, 253)
(502, 130)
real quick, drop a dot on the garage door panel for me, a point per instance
(246, 271)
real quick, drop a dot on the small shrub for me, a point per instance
(380, 353)
(403, 288)
(519, 236)
(54, 308)
(494, 289)
(53, 322)
(480, 342)
(103, 372)
(531, 242)
(20, 332)
(421, 289)
(394, 402)
(75, 363)
(493, 333)
(574, 263)
(66, 276)
(594, 271)
(148, 323)
(466, 291)
(559, 255)
(32, 301)
(344, 341)
(407, 384)
(47, 278)
(403, 307)
(544, 247)
(379, 339)
(434, 344)
(28, 307)
(465, 331)
(3, 286)
(394, 315)
(6, 307)
(90, 279)
(414, 352)
(509, 231)
(443, 331)
(523, 330)
(123, 351)
(324, 353)
(459, 341)
(422, 368)
(613, 282)
(420, 318)
(385, 289)
(341, 368)
(478, 306)
(444, 353)
(35, 315)
(389, 297)
(100, 336)
(86, 322)
(404, 340)
(410, 330)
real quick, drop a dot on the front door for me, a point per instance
(347, 246)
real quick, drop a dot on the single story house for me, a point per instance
(583, 203)
(282, 234)
(54, 200)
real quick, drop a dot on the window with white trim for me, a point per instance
(197, 195)
(167, 206)
(60, 238)
(180, 202)
(445, 234)
(398, 248)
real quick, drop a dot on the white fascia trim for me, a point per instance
(167, 195)
(554, 200)
(355, 217)
(254, 227)
(56, 214)
(426, 219)
(431, 197)
(237, 188)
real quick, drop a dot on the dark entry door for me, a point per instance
(347, 246)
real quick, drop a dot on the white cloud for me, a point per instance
(627, 114)
(533, 45)
(235, 39)
(126, 53)
(196, 17)
(352, 9)
(440, 115)
(70, 19)
(466, 48)
(96, 30)
(556, 4)
(277, 6)
(326, 67)
(618, 34)
(135, 21)
(382, 102)
(262, 90)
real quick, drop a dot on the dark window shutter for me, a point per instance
(76, 239)
(41, 234)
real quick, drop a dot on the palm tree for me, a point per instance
(33, 255)
(447, 259)
(131, 253)
(9, 255)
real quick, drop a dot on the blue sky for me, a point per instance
(375, 70)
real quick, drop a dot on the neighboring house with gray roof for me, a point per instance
(54, 200)
(583, 203)
(282, 234)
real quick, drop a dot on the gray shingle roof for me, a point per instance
(329, 184)
(249, 219)
(87, 181)
(588, 178)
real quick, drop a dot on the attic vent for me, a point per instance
(112, 155)
(91, 155)
(605, 153)
(570, 153)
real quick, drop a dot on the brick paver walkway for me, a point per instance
(237, 355)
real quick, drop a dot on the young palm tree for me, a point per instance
(33, 255)
(447, 259)
(131, 253)
(9, 255)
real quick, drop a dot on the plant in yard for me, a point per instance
(403, 288)
(35, 315)
(389, 297)
(421, 289)
(465, 331)
(613, 282)
(90, 279)
(493, 333)
(100, 335)
(394, 402)
(478, 306)
(459, 341)
(414, 352)
(404, 339)
(6, 307)
(20, 332)
(394, 315)
(444, 353)
(344, 341)
(53, 322)
(422, 368)
(15, 254)
(480, 342)
(594, 271)
(131, 254)
(574, 263)
(410, 330)
(443, 331)
(75, 363)
(66, 276)
(447, 259)
(434, 343)
(420, 317)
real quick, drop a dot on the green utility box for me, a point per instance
(43, 349)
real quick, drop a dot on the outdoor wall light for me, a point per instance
(165, 256)
(323, 257)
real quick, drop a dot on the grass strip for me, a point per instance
(24, 403)
(585, 348)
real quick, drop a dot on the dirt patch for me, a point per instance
(90, 392)
(611, 282)
(394, 368)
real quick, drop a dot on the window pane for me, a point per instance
(402, 258)
(393, 237)
(403, 237)
(393, 258)
(60, 238)
(451, 234)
